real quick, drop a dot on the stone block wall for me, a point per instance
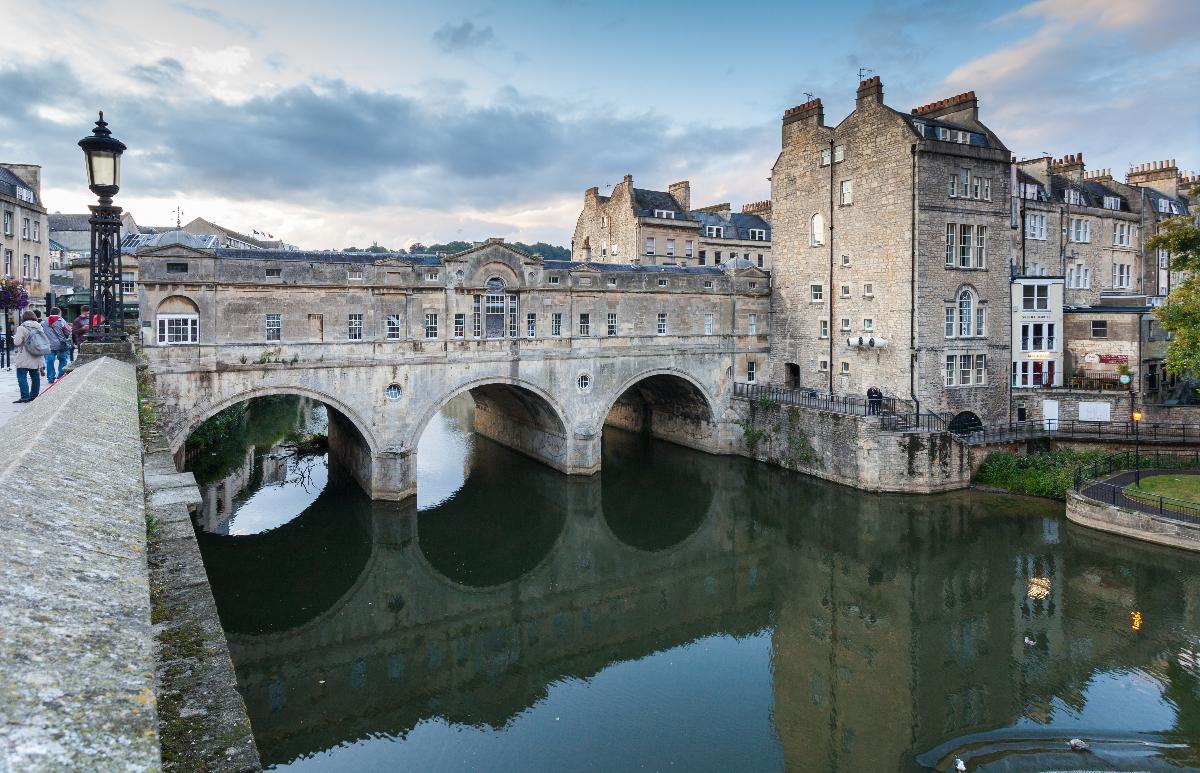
(851, 450)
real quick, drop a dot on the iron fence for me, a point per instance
(916, 422)
(1107, 480)
(811, 398)
(1085, 430)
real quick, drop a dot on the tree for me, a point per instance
(1180, 314)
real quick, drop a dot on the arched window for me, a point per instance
(816, 232)
(177, 320)
(966, 306)
(499, 308)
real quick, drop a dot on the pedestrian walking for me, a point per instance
(58, 332)
(31, 347)
(81, 326)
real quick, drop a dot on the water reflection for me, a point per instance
(703, 613)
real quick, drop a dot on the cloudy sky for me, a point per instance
(331, 124)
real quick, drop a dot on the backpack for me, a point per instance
(58, 339)
(36, 342)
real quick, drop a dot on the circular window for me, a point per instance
(393, 392)
(585, 382)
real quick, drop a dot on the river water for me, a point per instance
(683, 611)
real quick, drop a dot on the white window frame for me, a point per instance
(530, 324)
(751, 371)
(816, 227)
(846, 193)
(394, 327)
(758, 234)
(714, 231)
(670, 248)
(649, 246)
(823, 328)
(431, 325)
(273, 323)
(709, 320)
(612, 324)
(839, 154)
(585, 323)
(1035, 226)
(688, 247)
(553, 279)
(816, 293)
(556, 324)
(752, 324)
(826, 157)
(869, 290)
(662, 323)
(354, 272)
(665, 214)
(191, 329)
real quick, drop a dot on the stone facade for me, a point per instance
(25, 233)
(387, 340)
(861, 212)
(638, 225)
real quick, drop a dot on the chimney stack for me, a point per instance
(870, 92)
(1162, 176)
(682, 193)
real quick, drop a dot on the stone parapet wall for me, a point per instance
(1130, 523)
(851, 450)
(77, 653)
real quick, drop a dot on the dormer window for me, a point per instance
(552, 280)
(714, 231)
(1112, 202)
(1072, 196)
(354, 272)
(920, 127)
(662, 283)
(666, 214)
(431, 276)
(758, 234)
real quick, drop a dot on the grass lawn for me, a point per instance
(1185, 487)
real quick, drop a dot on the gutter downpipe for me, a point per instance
(832, 295)
(912, 292)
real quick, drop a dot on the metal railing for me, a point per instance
(916, 422)
(811, 398)
(1107, 480)
(1085, 430)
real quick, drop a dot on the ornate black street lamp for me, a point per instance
(102, 153)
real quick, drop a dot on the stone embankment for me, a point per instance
(111, 653)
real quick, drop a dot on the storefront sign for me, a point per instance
(1114, 359)
(1039, 355)
(1091, 359)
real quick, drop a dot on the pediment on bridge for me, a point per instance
(752, 272)
(491, 259)
(585, 268)
(174, 251)
(394, 263)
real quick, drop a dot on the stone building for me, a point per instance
(1091, 229)
(639, 225)
(25, 237)
(892, 255)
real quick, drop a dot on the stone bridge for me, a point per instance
(550, 351)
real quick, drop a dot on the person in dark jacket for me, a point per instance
(59, 333)
(28, 365)
(81, 326)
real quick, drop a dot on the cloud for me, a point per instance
(1130, 68)
(326, 143)
(165, 72)
(216, 17)
(465, 36)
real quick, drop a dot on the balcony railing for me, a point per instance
(1107, 480)
(811, 398)
(1085, 430)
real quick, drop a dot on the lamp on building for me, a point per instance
(102, 155)
(1137, 449)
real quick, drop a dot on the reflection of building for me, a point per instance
(217, 498)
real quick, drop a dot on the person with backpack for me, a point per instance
(58, 332)
(80, 327)
(31, 346)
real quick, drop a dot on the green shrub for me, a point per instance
(1049, 474)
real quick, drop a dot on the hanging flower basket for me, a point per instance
(13, 295)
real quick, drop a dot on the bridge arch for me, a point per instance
(180, 436)
(512, 411)
(667, 403)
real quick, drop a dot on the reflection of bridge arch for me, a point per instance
(212, 409)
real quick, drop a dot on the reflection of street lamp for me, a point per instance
(1137, 449)
(102, 152)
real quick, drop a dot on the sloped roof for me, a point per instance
(645, 201)
(60, 222)
(10, 182)
(634, 268)
(737, 225)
